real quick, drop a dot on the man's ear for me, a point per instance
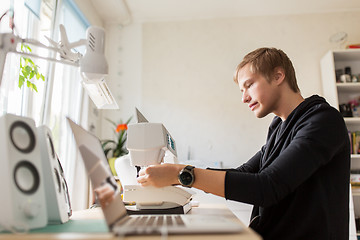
(279, 75)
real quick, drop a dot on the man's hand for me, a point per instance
(166, 174)
(105, 194)
(160, 175)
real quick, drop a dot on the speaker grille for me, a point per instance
(26, 177)
(58, 181)
(51, 145)
(22, 137)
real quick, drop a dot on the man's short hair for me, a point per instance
(264, 61)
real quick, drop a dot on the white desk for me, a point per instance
(205, 209)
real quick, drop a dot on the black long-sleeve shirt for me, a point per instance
(299, 181)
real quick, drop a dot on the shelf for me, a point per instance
(355, 192)
(355, 189)
(352, 119)
(346, 55)
(353, 88)
(338, 93)
(350, 85)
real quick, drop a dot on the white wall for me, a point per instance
(90, 12)
(180, 73)
(124, 55)
(93, 120)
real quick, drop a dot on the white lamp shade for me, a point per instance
(93, 65)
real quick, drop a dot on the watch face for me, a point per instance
(186, 178)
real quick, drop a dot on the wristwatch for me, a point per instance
(186, 176)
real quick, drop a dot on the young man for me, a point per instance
(299, 181)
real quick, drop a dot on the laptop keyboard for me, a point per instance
(149, 221)
(147, 224)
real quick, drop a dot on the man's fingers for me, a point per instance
(105, 194)
(142, 172)
(141, 179)
(106, 197)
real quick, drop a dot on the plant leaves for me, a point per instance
(32, 73)
(31, 85)
(24, 73)
(117, 147)
(27, 48)
(28, 69)
(113, 123)
(22, 60)
(21, 81)
(35, 68)
(30, 61)
(106, 151)
(106, 142)
(127, 122)
(34, 87)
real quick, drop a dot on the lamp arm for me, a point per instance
(77, 43)
(39, 44)
(75, 64)
(65, 60)
(9, 42)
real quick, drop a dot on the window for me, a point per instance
(61, 94)
(65, 97)
(27, 25)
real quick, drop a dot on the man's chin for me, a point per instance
(260, 114)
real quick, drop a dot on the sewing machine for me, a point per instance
(151, 144)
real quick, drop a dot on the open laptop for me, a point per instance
(116, 216)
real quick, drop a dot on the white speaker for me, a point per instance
(23, 204)
(55, 185)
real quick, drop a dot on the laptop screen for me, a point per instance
(98, 170)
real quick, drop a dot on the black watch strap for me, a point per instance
(190, 168)
(186, 176)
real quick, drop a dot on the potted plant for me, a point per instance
(114, 149)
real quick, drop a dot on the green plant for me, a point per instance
(116, 148)
(28, 70)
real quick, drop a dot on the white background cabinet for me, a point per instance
(340, 93)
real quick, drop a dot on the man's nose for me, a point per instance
(245, 98)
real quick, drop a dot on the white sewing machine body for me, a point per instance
(148, 144)
(157, 198)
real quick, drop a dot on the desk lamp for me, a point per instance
(93, 65)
